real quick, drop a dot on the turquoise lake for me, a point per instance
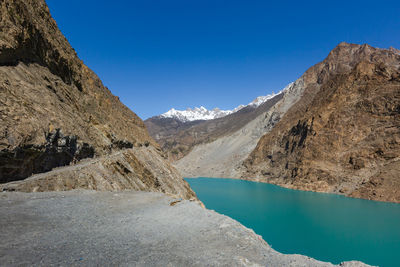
(327, 227)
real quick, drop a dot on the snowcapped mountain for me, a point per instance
(195, 114)
(202, 113)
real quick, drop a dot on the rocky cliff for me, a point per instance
(343, 135)
(140, 169)
(54, 110)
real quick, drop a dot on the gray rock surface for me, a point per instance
(127, 228)
(224, 156)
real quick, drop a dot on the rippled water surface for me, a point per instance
(326, 227)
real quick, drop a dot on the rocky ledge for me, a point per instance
(128, 228)
(137, 168)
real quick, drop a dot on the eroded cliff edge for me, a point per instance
(55, 112)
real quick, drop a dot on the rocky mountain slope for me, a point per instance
(343, 135)
(178, 137)
(223, 156)
(55, 111)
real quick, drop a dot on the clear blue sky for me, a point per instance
(156, 55)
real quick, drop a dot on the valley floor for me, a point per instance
(127, 228)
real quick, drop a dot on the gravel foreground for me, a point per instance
(90, 228)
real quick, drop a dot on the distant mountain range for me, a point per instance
(201, 113)
(178, 131)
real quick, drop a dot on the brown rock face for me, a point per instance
(44, 86)
(343, 135)
(54, 110)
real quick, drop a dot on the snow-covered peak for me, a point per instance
(260, 100)
(195, 114)
(202, 113)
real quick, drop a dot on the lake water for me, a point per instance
(326, 227)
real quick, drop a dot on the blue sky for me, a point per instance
(156, 55)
